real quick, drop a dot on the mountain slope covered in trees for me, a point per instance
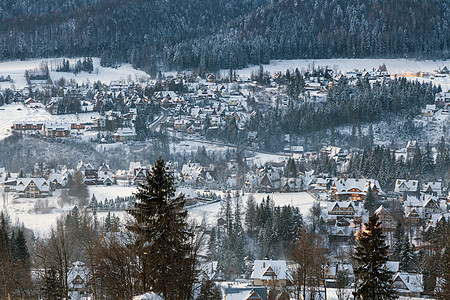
(211, 35)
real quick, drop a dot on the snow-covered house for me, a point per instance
(105, 175)
(291, 184)
(322, 184)
(140, 175)
(270, 273)
(442, 99)
(58, 179)
(405, 185)
(78, 279)
(432, 187)
(387, 221)
(32, 188)
(56, 130)
(247, 293)
(270, 179)
(411, 149)
(436, 219)
(191, 172)
(125, 134)
(355, 189)
(408, 284)
(331, 270)
(344, 209)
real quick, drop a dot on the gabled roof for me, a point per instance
(40, 183)
(263, 269)
(435, 186)
(403, 184)
(408, 282)
(255, 293)
(360, 186)
(392, 266)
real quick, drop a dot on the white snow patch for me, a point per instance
(16, 69)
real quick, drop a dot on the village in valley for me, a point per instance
(226, 154)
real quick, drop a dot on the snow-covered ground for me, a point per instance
(208, 212)
(394, 66)
(22, 210)
(16, 69)
(17, 112)
(111, 192)
(125, 73)
(8, 115)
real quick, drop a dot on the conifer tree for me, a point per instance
(406, 257)
(163, 236)
(373, 280)
(250, 215)
(398, 240)
(209, 291)
(445, 280)
(369, 203)
(238, 239)
(52, 289)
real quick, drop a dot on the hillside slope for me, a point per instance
(213, 34)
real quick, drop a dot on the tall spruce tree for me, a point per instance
(373, 280)
(406, 257)
(398, 240)
(163, 237)
(369, 203)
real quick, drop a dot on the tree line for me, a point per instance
(382, 163)
(347, 104)
(213, 35)
(86, 65)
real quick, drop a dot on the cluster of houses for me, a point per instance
(278, 275)
(205, 108)
(266, 274)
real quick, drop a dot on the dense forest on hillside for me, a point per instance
(213, 34)
(347, 104)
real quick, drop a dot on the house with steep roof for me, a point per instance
(432, 187)
(78, 279)
(411, 149)
(140, 175)
(105, 175)
(387, 221)
(408, 284)
(330, 272)
(437, 219)
(248, 293)
(405, 185)
(343, 209)
(32, 188)
(270, 273)
(58, 180)
(355, 189)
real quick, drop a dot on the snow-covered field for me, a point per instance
(16, 69)
(8, 115)
(21, 210)
(17, 112)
